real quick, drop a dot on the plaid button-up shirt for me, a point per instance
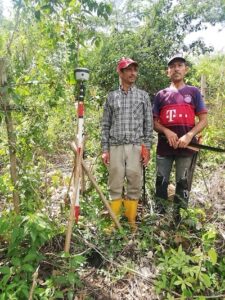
(127, 119)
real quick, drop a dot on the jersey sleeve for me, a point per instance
(200, 106)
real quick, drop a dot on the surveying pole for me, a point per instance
(81, 75)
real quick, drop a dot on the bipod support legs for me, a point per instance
(93, 181)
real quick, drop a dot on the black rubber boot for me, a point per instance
(161, 195)
(180, 199)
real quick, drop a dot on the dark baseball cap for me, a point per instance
(176, 57)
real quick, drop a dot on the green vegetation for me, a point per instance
(41, 45)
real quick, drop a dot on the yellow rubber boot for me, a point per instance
(115, 205)
(131, 212)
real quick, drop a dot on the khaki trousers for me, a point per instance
(125, 169)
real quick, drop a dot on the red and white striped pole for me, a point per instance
(80, 130)
(82, 74)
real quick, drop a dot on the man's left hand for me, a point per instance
(184, 141)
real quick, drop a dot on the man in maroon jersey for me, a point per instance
(175, 109)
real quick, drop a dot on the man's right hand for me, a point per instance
(172, 138)
(145, 155)
(105, 158)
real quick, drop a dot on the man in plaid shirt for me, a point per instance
(127, 126)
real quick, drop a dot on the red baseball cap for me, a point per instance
(125, 62)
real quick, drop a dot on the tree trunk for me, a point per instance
(5, 105)
(203, 86)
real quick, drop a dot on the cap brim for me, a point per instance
(132, 63)
(179, 58)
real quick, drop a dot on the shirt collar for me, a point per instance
(131, 89)
(173, 88)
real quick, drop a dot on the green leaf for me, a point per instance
(33, 235)
(5, 279)
(72, 277)
(4, 270)
(205, 280)
(16, 261)
(27, 268)
(77, 261)
(213, 256)
(70, 295)
(37, 15)
(179, 281)
(59, 295)
(31, 256)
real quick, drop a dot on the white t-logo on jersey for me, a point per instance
(171, 114)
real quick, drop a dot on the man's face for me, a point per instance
(129, 74)
(177, 70)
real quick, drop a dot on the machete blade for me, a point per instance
(206, 147)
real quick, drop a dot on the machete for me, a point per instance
(201, 146)
(206, 147)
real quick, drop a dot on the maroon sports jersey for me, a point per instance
(176, 110)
